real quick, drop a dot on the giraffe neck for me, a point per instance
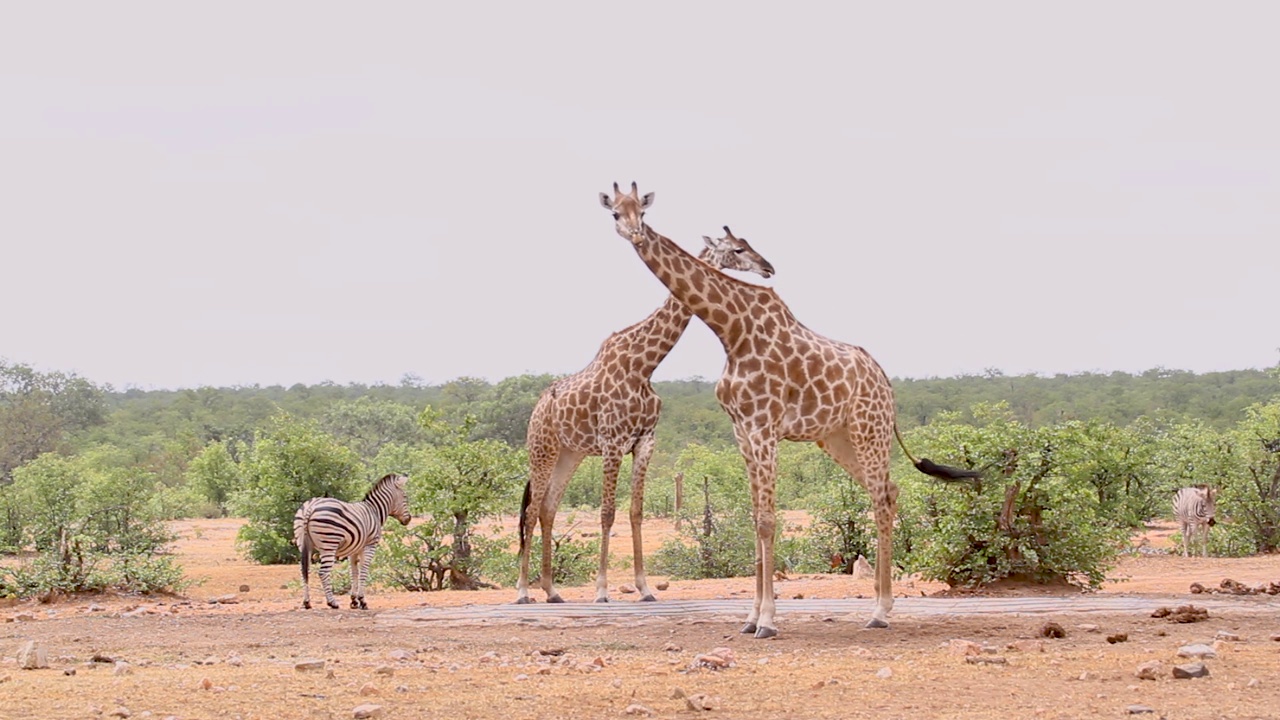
(724, 303)
(647, 343)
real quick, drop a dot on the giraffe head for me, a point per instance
(628, 211)
(734, 253)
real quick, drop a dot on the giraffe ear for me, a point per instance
(646, 201)
(710, 243)
(605, 201)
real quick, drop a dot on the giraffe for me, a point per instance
(783, 381)
(608, 409)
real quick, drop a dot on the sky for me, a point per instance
(272, 193)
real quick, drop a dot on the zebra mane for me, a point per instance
(382, 481)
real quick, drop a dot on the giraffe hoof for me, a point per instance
(748, 628)
(555, 599)
(877, 624)
(648, 598)
(306, 604)
(524, 601)
(764, 632)
(602, 599)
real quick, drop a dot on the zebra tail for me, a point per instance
(305, 547)
(524, 513)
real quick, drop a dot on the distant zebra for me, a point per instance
(338, 530)
(1193, 508)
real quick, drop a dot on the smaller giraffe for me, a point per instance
(609, 409)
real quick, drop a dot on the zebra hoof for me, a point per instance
(748, 628)
(648, 598)
(764, 632)
(554, 599)
(877, 624)
(333, 605)
(524, 601)
(306, 604)
(355, 604)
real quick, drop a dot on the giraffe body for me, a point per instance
(783, 381)
(608, 409)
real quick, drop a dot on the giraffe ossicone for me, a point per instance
(782, 381)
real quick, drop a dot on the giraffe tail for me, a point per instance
(945, 473)
(524, 514)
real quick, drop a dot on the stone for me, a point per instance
(366, 711)
(521, 677)
(122, 668)
(1052, 630)
(637, 709)
(224, 600)
(206, 684)
(24, 617)
(384, 670)
(662, 585)
(244, 588)
(1138, 710)
(626, 588)
(1197, 651)
(309, 664)
(1149, 670)
(700, 701)
(884, 673)
(369, 689)
(985, 660)
(1227, 636)
(1253, 683)
(1190, 670)
(677, 693)
(1118, 638)
(671, 647)
(712, 662)
(120, 712)
(400, 655)
(235, 661)
(1088, 627)
(965, 647)
(69, 671)
(33, 656)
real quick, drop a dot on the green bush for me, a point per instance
(291, 462)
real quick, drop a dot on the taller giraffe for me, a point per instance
(608, 409)
(782, 381)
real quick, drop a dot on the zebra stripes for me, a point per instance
(337, 530)
(1193, 508)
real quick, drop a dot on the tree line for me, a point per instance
(1072, 464)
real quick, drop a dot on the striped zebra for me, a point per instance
(1193, 509)
(337, 530)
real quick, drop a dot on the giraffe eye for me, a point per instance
(615, 216)
(739, 251)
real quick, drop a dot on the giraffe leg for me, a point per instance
(639, 468)
(566, 463)
(327, 560)
(762, 467)
(869, 465)
(608, 511)
(540, 472)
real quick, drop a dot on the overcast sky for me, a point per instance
(263, 193)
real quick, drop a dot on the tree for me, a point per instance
(214, 475)
(366, 424)
(291, 462)
(38, 411)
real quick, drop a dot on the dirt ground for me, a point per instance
(185, 657)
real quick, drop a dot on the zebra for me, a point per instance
(338, 530)
(1193, 508)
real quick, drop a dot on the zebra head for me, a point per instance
(399, 508)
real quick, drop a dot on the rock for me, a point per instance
(1275, 637)
(1197, 651)
(965, 647)
(677, 693)
(1052, 630)
(1188, 614)
(235, 661)
(24, 617)
(521, 677)
(671, 647)
(489, 657)
(599, 662)
(309, 664)
(211, 660)
(121, 712)
(244, 588)
(1026, 645)
(1253, 683)
(1088, 627)
(1138, 710)
(700, 701)
(626, 588)
(1227, 636)
(369, 689)
(637, 709)
(206, 684)
(662, 585)
(224, 600)
(33, 656)
(69, 671)
(1190, 670)
(400, 655)
(122, 668)
(1196, 588)
(1118, 638)
(884, 673)
(712, 662)
(384, 670)
(366, 711)
(1149, 670)
(985, 660)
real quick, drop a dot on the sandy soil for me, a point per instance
(189, 658)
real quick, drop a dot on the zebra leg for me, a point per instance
(326, 568)
(357, 592)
